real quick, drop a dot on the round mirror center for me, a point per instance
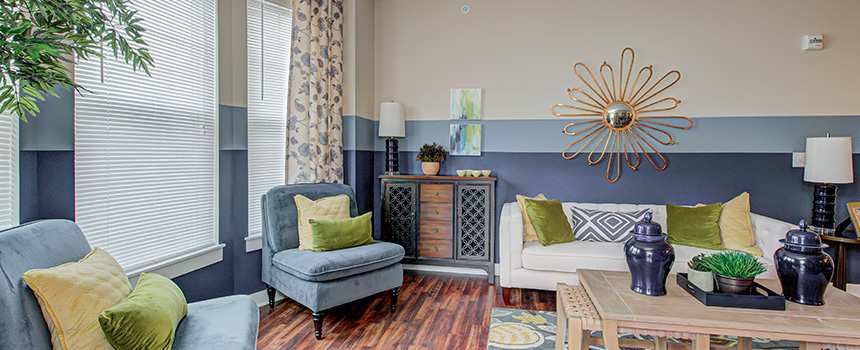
(619, 115)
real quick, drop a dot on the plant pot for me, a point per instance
(732, 285)
(430, 168)
(702, 279)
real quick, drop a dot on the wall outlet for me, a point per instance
(798, 160)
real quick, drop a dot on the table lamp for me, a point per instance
(828, 162)
(392, 124)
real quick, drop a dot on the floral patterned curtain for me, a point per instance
(314, 113)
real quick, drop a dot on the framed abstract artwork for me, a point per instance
(465, 104)
(465, 140)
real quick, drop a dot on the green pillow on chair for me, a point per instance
(697, 227)
(148, 318)
(550, 223)
(342, 233)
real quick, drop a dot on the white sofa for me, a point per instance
(532, 266)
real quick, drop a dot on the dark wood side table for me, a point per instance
(840, 244)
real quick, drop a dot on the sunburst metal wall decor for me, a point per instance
(621, 112)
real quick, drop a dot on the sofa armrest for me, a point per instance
(510, 242)
(768, 232)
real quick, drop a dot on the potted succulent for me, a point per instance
(699, 274)
(735, 271)
(430, 157)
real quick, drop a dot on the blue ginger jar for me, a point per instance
(649, 258)
(803, 268)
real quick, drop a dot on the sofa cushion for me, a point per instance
(736, 230)
(604, 226)
(331, 265)
(228, 323)
(328, 208)
(568, 257)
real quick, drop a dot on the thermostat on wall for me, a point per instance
(813, 42)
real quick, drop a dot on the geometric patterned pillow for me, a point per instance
(604, 226)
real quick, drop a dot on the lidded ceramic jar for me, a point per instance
(649, 258)
(803, 268)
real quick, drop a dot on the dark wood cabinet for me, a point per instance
(441, 220)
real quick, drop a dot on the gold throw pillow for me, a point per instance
(73, 295)
(529, 234)
(328, 208)
(736, 230)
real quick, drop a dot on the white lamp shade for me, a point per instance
(392, 120)
(829, 160)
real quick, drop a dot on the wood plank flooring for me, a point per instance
(434, 311)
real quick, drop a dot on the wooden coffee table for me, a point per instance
(837, 322)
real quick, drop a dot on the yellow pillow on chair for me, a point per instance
(73, 295)
(328, 208)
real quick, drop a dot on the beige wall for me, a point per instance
(358, 69)
(232, 53)
(737, 57)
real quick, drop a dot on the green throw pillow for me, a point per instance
(550, 223)
(147, 319)
(342, 233)
(695, 227)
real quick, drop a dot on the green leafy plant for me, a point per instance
(39, 38)
(697, 263)
(431, 153)
(734, 264)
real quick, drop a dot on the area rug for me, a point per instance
(529, 329)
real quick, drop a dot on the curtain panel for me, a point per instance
(314, 112)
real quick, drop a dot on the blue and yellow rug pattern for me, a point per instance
(529, 329)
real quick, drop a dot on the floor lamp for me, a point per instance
(828, 162)
(392, 124)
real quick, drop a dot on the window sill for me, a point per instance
(182, 264)
(253, 243)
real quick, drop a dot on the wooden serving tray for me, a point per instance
(760, 298)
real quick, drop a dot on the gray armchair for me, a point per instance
(223, 323)
(322, 280)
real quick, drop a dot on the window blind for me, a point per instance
(146, 147)
(269, 35)
(8, 170)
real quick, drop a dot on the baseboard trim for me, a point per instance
(262, 299)
(450, 269)
(853, 288)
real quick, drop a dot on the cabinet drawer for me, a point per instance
(437, 193)
(437, 211)
(436, 230)
(436, 248)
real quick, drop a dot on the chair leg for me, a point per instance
(271, 292)
(506, 295)
(318, 318)
(394, 293)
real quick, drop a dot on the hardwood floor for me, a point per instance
(434, 311)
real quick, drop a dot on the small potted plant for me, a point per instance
(734, 271)
(430, 157)
(699, 274)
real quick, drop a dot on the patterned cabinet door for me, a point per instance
(398, 220)
(473, 222)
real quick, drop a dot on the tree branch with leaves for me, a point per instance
(38, 38)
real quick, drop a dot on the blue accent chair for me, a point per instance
(222, 323)
(322, 280)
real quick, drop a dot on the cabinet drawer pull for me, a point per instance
(435, 230)
(435, 212)
(435, 193)
(435, 249)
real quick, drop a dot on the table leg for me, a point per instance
(660, 343)
(744, 343)
(840, 266)
(574, 339)
(561, 321)
(610, 334)
(810, 346)
(702, 341)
